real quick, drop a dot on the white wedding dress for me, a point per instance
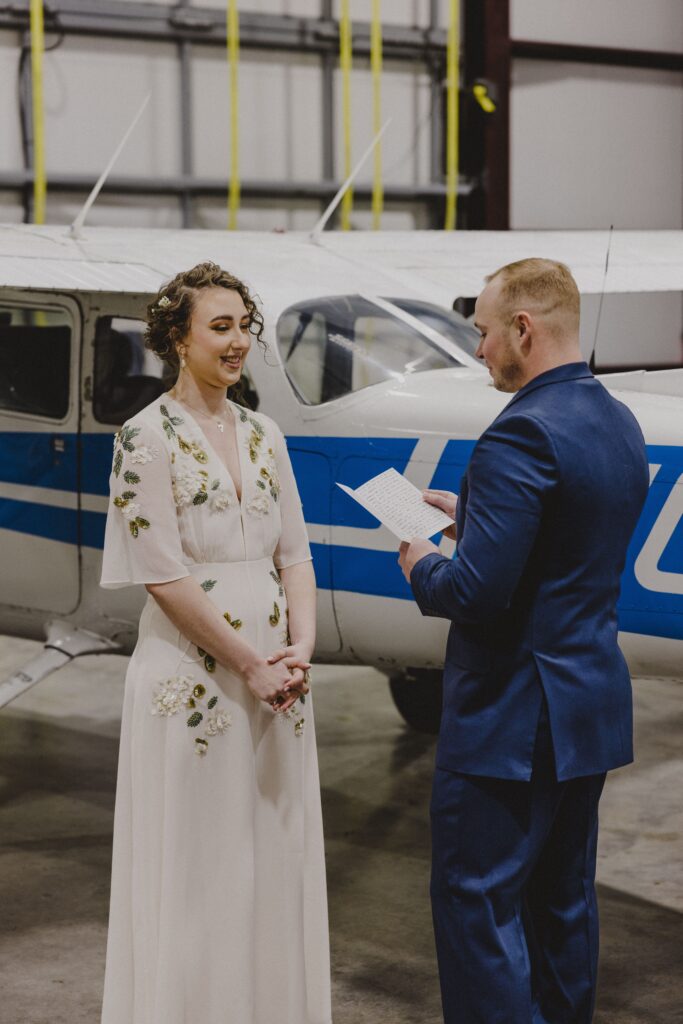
(218, 901)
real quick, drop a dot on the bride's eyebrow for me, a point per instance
(227, 316)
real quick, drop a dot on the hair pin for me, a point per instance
(163, 302)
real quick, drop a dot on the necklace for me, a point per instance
(219, 423)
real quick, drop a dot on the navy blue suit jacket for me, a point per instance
(547, 507)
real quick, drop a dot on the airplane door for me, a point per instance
(39, 436)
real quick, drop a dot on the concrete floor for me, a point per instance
(58, 750)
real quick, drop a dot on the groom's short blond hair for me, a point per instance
(544, 287)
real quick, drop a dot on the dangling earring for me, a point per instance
(182, 363)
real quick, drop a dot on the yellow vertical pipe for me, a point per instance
(452, 73)
(376, 68)
(345, 65)
(233, 40)
(37, 50)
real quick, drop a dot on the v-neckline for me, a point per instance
(237, 421)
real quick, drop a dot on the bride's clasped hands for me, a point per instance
(295, 658)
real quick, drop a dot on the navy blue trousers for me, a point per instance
(513, 894)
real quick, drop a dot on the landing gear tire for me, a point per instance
(417, 695)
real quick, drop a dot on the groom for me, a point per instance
(537, 696)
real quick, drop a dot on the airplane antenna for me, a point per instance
(320, 226)
(75, 229)
(591, 358)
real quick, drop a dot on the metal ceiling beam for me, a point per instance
(610, 55)
(130, 19)
(214, 187)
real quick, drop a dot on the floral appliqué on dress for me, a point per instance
(125, 502)
(169, 424)
(192, 486)
(180, 692)
(268, 480)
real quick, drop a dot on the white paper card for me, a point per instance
(399, 506)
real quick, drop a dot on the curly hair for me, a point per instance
(169, 315)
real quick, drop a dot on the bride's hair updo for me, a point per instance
(169, 315)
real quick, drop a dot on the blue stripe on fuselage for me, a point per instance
(34, 459)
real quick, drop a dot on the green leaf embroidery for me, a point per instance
(118, 462)
(130, 477)
(200, 497)
(278, 580)
(137, 524)
(127, 435)
(275, 617)
(260, 483)
(208, 585)
(210, 663)
(195, 718)
(120, 502)
(201, 652)
(212, 703)
(175, 420)
(215, 485)
(168, 429)
(128, 495)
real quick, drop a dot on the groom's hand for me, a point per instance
(412, 551)
(446, 501)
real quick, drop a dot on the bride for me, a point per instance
(218, 903)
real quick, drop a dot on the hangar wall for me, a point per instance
(593, 145)
(89, 102)
(590, 144)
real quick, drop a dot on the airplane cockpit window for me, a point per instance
(338, 344)
(446, 321)
(128, 376)
(35, 352)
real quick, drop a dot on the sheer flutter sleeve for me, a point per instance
(142, 541)
(293, 546)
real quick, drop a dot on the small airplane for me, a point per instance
(368, 367)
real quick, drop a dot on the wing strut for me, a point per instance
(64, 642)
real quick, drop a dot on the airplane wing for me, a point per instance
(453, 264)
(435, 265)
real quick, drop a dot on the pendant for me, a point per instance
(220, 426)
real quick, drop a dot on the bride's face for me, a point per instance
(218, 341)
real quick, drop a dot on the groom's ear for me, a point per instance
(523, 328)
